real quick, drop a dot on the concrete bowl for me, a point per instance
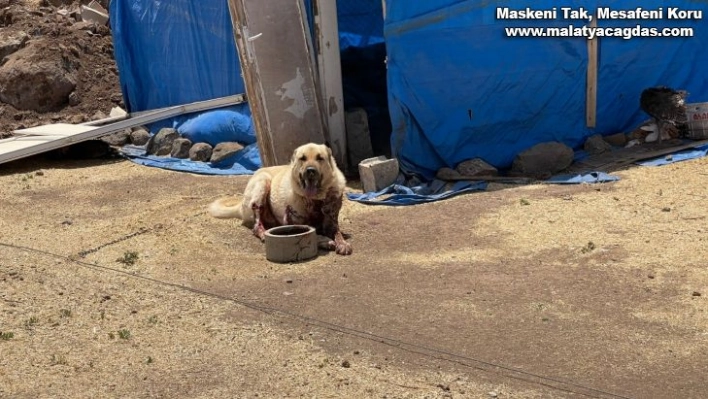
(290, 243)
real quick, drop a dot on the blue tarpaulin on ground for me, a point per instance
(240, 163)
(684, 155)
(399, 194)
(459, 88)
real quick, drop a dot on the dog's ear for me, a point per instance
(330, 157)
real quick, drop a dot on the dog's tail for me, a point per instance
(226, 208)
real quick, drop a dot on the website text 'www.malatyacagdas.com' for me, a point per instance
(591, 32)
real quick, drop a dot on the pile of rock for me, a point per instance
(540, 161)
(168, 142)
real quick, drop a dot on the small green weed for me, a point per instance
(129, 258)
(124, 334)
(58, 360)
(524, 201)
(6, 336)
(65, 313)
(33, 321)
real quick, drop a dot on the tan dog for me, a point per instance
(308, 191)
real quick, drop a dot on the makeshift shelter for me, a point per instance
(457, 86)
(460, 88)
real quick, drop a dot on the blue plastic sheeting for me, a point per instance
(698, 152)
(182, 51)
(460, 89)
(398, 194)
(241, 163)
(588, 178)
(174, 52)
(360, 23)
(178, 52)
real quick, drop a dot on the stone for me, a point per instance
(224, 150)
(77, 119)
(98, 116)
(596, 145)
(617, 139)
(139, 137)
(38, 78)
(200, 152)
(118, 139)
(161, 143)
(10, 43)
(180, 148)
(543, 160)
(74, 99)
(476, 167)
(448, 174)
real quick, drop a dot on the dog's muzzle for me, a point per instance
(311, 173)
(310, 180)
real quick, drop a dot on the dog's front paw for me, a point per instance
(327, 244)
(343, 248)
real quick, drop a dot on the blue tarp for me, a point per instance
(455, 86)
(237, 164)
(178, 52)
(460, 89)
(182, 51)
(399, 194)
(680, 156)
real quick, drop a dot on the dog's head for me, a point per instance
(313, 168)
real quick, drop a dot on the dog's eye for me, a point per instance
(319, 157)
(303, 158)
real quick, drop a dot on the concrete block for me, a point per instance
(377, 173)
(358, 137)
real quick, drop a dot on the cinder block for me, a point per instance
(377, 173)
(358, 136)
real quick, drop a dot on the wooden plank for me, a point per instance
(330, 75)
(591, 84)
(45, 141)
(275, 51)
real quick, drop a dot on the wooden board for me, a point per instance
(624, 157)
(330, 75)
(280, 75)
(39, 139)
(591, 84)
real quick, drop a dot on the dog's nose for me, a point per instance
(310, 172)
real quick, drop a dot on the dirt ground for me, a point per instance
(114, 282)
